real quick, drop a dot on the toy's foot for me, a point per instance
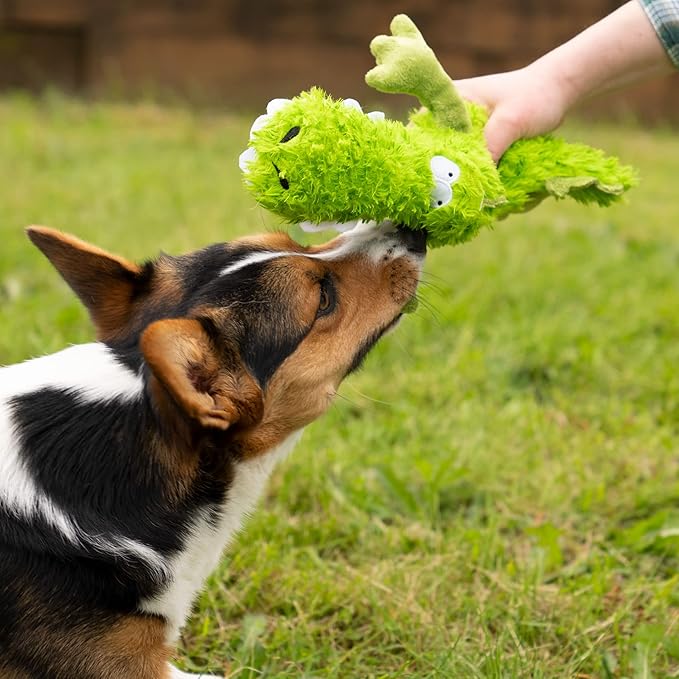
(406, 64)
(404, 60)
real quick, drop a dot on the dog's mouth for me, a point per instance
(368, 344)
(411, 305)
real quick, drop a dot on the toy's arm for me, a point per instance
(407, 65)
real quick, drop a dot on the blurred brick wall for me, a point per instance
(244, 53)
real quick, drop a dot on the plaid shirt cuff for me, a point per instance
(664, 15)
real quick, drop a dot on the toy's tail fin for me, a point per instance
(534, 169)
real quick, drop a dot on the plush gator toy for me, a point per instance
(325, 163)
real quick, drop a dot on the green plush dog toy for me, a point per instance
(326, 164)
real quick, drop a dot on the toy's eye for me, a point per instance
(444, 169)
(326, 302)
(441, 194)
(290, 134)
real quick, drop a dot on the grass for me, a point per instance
(495, 495)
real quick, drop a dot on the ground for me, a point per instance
(496, 494)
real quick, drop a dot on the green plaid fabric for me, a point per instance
(664, 15)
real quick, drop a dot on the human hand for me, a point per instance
(620, 49)
(522, 103)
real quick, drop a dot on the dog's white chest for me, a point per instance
(208, 540)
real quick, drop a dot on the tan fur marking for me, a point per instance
(135, 647)
(167, 283)
(295, 279)
(277, 240)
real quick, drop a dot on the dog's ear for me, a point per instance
(105, 283)
(209, 384)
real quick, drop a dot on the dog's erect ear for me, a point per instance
(211, 387)
(105, 283)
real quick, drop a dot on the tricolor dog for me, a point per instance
(127, 464)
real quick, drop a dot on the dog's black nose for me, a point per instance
(414, 239)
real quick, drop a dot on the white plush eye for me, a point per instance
(259, 123)
(441, 194)
(276, 105)
(248, 156)
(444, 169)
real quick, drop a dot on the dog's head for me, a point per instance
(253, 336)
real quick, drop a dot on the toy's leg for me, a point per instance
(407, 65)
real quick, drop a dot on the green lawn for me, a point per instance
(495, 495)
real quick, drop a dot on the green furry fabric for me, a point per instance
(316, 159)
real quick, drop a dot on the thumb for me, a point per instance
(501, 131)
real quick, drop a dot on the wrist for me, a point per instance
(559, 80)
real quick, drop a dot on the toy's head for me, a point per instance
(314, 159)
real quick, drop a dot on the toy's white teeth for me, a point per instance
(276, 105)
(248, 156)
(352, 103)
(376, 116)
(259, 123)
(342, 227)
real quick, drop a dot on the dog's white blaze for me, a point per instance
(254, 258)
(205, 545)
(366, 238)
(91, 373)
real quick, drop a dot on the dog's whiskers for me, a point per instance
(366, 397)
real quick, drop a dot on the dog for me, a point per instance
(128, 464)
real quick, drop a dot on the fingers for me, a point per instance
(501, 131)
(468, 88)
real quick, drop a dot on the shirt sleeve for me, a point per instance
(664, 16)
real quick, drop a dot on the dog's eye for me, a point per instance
(326, 302)
(290, 134)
